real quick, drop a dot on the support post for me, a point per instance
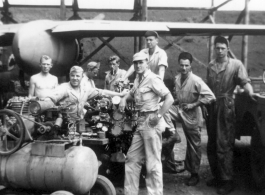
(245, 38)
(144, 17)
(211, 40)
(62, 10)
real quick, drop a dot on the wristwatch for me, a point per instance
(159, 116)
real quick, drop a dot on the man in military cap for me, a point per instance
(146, 144)
(157, 62)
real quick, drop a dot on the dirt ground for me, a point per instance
(175, 183)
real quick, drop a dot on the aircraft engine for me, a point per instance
(35, 39)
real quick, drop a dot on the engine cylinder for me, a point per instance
(75, 171)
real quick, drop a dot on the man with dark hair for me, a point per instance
(224, 74)
(43, 83)
(114, 74)
(146, 144)
(190, 93)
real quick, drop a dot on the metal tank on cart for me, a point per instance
(44, 164)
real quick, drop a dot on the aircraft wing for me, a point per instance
(215, 29)
(105, 28)
(96, 28)
(132, 28)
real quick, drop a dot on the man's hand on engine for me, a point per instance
(124, 92)
(122, 105)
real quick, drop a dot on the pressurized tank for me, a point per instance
(50, 167)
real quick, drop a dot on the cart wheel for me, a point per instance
(12, 132)
(257, 159)
(61, 192)
(103, 186)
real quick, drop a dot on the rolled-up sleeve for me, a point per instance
(94, 92)
(242, 76)
(206, 95)
(58, 93)
(163, 58)
(159, 87)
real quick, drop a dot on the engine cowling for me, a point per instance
(35, 39)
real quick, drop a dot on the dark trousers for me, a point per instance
(221, 138)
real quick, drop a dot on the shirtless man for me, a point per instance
(43, 83)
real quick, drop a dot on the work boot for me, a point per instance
(213, 182)
(226, 187)
(193, 180)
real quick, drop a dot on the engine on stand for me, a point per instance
(105, 118)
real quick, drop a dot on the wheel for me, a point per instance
(103, 186)
(257, 159)
(12, 132)
(61, 192)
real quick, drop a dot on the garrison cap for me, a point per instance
(140, 56)
(151, 33)
(76, 69)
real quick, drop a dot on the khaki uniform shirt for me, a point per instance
(158, 58)
(224, 82)
(111, 80)
(148, 92)
(193, 89)
(65, 95)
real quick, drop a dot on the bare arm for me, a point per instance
(124, 101)
(161, 71)
(129, 72)
(31, 87)
(112, 93)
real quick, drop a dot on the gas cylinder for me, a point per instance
(50, 167)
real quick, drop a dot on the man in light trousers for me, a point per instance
(147, 141)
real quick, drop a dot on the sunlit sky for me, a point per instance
(237, 5)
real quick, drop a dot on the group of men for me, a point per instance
(190, 93)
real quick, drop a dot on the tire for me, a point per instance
(61, 192)
(257, 159)
(103, 186)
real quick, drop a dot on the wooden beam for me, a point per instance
(115, 51)
(211, 40)
(183, 50)
(62, 10)
(95, 51)
(144, 17)
(245, 38)
(240, 17)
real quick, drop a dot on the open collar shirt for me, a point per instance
(148, 92)
(223, 82)
(111, 80)
(158, 58)
(66, 95)
(193, 89)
